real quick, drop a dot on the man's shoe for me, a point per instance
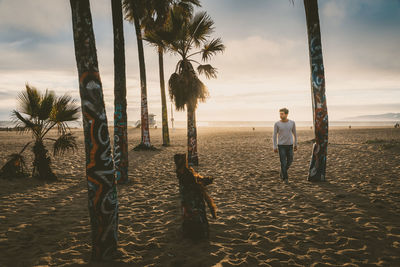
(286, 181)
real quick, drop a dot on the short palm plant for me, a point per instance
(38, 114)
(189, 37)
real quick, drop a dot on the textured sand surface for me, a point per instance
(350, 220)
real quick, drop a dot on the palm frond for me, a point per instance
(200, 92)
(177, 91)
(201, 26)
(64, 143)
(64, 110)
(29, 101)
(211, 48)
(186, 7)
(158, 14)
(155, 38)
(208, 70)
(25, 146)
(175, 31)
(46, 105)
(136, 9)
(185, 88)
(192, 2)
(23, 124)
(128, 7)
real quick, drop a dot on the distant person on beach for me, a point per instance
(284, 130)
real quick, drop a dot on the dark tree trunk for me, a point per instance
(193, 159)
(164, 111)
(102, 194)
(120, 117)
(41, 163)
(320, 111)
(144, 113)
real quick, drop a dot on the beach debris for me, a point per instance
(14, 168)
(193, 193)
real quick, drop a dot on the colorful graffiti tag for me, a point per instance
(120, 116)
(120, 145)
(145, 118)
(317, 168)
(102, 194)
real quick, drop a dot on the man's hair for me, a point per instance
(285, 110)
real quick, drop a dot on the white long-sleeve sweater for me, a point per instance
(285, 132)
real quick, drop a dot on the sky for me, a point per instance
(265, 65)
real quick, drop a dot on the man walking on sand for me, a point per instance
(284, 130)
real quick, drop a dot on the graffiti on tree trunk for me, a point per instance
(120, 145)
(120, 117)
(320, 113)
(102, 194)
(193, 159)
(145, 120)
(103, 204)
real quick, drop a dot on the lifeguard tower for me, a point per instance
(152, 122)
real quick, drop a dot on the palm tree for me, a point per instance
(38, 114)
(153, 34)
(188, 38)
(136, 12)
(154, 25)
(120, 117)
(102, 193)
(320, 120)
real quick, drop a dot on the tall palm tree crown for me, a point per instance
(156, 24)
(188, 37)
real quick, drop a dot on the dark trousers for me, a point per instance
(286, 158)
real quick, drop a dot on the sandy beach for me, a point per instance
(350, 220)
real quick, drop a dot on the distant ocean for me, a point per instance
(235, 124)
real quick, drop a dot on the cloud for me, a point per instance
(258, 60)
(265, 65)
(38, 17)
(335, 10)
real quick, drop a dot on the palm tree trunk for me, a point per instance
(193, 159)
(144, 114)
(320, 111)
(41, 163)
(102, 194)
(164, 111)
(120, 117)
